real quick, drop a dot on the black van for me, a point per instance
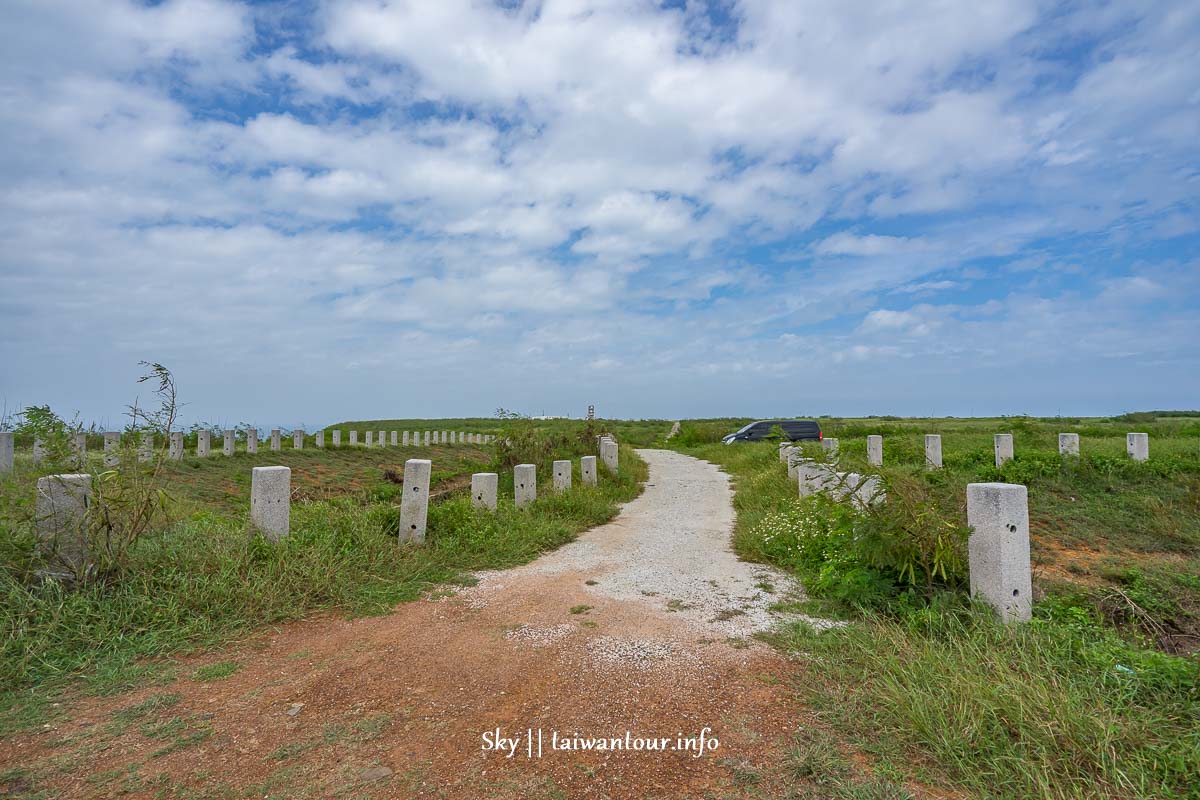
(796, 430)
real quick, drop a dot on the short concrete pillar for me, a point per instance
(810, 477)
(112, 449)
(381, 440)
(562, 476)
(39, 450)
(298, 439)
(175, 452)
(252, 440)
(794, 456)
(1137, 445)
(1068, 444)
(404, 439)
(414, 502)
(483, 490)
(524, 484)
(336, 437)
(203, 443)
(783, 448)
(61, 520)
(608, 454)
(427, 435)
(869, 491)
(319, 439)
(998, 549)
(79, 445)
(587, 470)
(875, 451)
(271, 501)
(353, 438)
(229, 443)
(445, 437)
(146, 447)
(830, 446)
(1004, 448)
(933, 451)
(7, 451)
(395, 438)
(370, 438)
(276, 444)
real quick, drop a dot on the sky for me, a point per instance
(321, 210)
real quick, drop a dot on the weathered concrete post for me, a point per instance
(175, 453)
(203, 443)
(112, 449)
(252, 440)
(524, 484)
(783, 448)
(61, 520)
(562, 476)
(998, 550)
(793, 462)
(319, 439)
(229, 442)
(146, 447)
(275, 442)
(875, 451)
(395, 438)
(7, 451)
(830, 446)
(1137, 445)
(427, 438)
(1068, 444)
(370, 438)
(336, 436)
(404, 439)
(353, 438)
(608, 454)
(271, 501)
(414, 503)
(298, 439)
(382, 439)
(445, 437)
(810, 477)
(933, 451)
(483, 490)
(79, 445)
(1004, 448)
(587, 470)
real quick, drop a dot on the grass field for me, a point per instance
(202, 577)
(1098, 697)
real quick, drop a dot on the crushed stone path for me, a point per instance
(642, 625)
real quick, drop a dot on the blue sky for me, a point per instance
(314, 211)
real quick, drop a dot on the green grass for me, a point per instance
(204, 578)
(1098, 697)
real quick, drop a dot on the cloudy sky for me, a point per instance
(314, 210)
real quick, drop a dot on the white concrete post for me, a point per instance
(319, 439)
(810, 477)
(414, 503)
(7, 451)
(370, 438)
(998, 550)
(562, 476)
(1137, 445)
(1068, 444)
(524, 484)
(203, 443)
(229, 442)
(483, 490)
(608, 454)
(271, 501)
(176, 451)
(783, 448)
(275, 442)
(381, 441)
(587, 470)
(1004, 448)
(793, 461)
(353, 438)
(875, 451)
(336, 437)
(830, 446)
(933, 451)
(298, 439)
(146, 447)
(445, 435)
(427, 433)
(252, 440)
(79, 444)
(60, 520)
(395, 438)
(112, 449)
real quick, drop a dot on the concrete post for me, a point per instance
(370, 438)
(783, 447)
(793, 461)
(79, 444)
(524, 484)
(298, 439)
(6, 451)
(61, 520)
(483, 490)
(414, 503)
(810, 477)
(395, 438)
(562, 476)
(275, 443)
(203, 443)
(404, 439)
(445, 437)
(933, 451)
(336, 436)
(608, 454)
(1004, 448)
(381, 440)
(112, 449)
(998, 550)
(271, 501)
(587, 470)
(230, 443)
(1068, 444)
(319, 439)
(427, 438)
(353, 438)
(146, 447)
(39, 450)
(830, 446)
(252, 440)
(175, 453)
(875, 451)
(1137, 445)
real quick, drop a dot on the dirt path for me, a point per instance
(639, 626)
